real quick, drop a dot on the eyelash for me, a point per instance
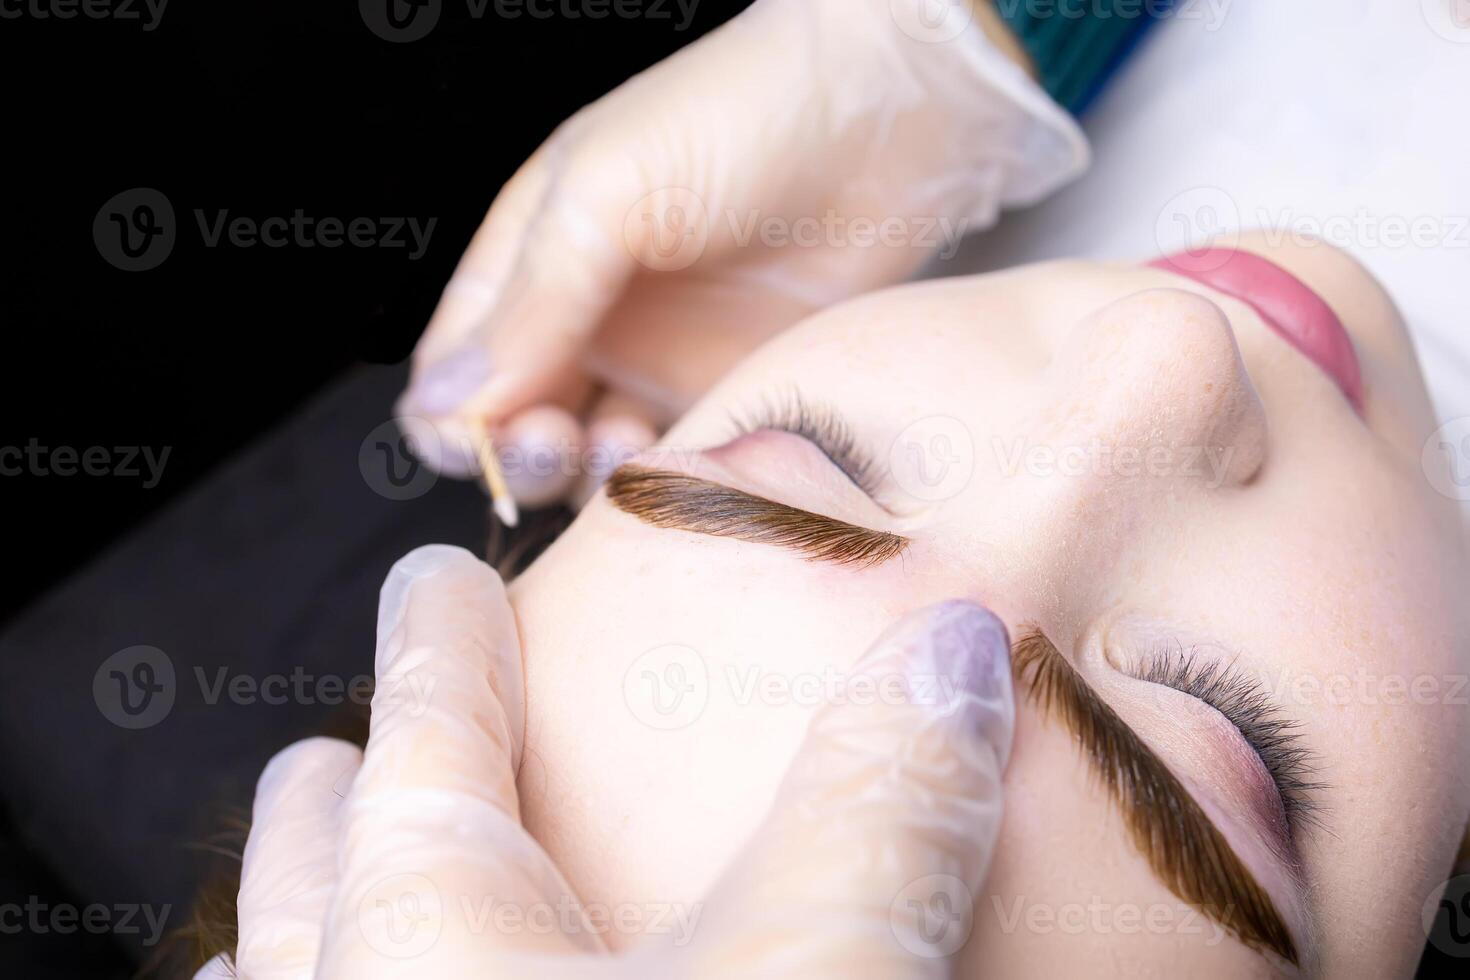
(1186, 850)
(1247, 706)
(1223, 687)
(820, 425)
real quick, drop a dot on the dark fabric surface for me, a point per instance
(270, 567)
(26, 951)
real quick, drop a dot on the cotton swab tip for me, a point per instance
(501, 501)
(505, 508)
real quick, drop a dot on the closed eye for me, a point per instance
(822, 426)
(1172, 831)
(1245, 703)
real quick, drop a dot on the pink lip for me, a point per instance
(1301, 317)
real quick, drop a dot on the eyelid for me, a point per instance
(1165, 822)
(821, 425)
(677, 500)
(1245, 704)
(1266, 747)
(790, 469)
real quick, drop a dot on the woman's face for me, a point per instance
(1253, 575)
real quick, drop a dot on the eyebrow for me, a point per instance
(688, 503)
(1185, 849)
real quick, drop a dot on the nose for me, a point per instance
(1146, 406)
(1157, 382)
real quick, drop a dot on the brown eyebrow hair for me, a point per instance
(688, 503)
(1185, 849)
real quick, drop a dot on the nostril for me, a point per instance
(1158, 376)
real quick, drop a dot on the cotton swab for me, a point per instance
(501, 501)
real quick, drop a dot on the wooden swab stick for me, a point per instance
(501, 501)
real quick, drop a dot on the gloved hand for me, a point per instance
(806, 151)
(374, 864)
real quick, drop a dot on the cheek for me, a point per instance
(670, 678)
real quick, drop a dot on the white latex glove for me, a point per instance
(380, 863)
(805, 152)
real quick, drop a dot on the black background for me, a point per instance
(257, 109)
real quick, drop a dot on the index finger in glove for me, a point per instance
(289, 867)
(883, 829)
(432, 845)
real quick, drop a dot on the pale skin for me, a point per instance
(1313, 549)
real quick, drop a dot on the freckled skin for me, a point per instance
(1322, 552)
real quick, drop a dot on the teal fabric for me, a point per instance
(1078, 44)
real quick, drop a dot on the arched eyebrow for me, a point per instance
(688, 503)
(1182, 845)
